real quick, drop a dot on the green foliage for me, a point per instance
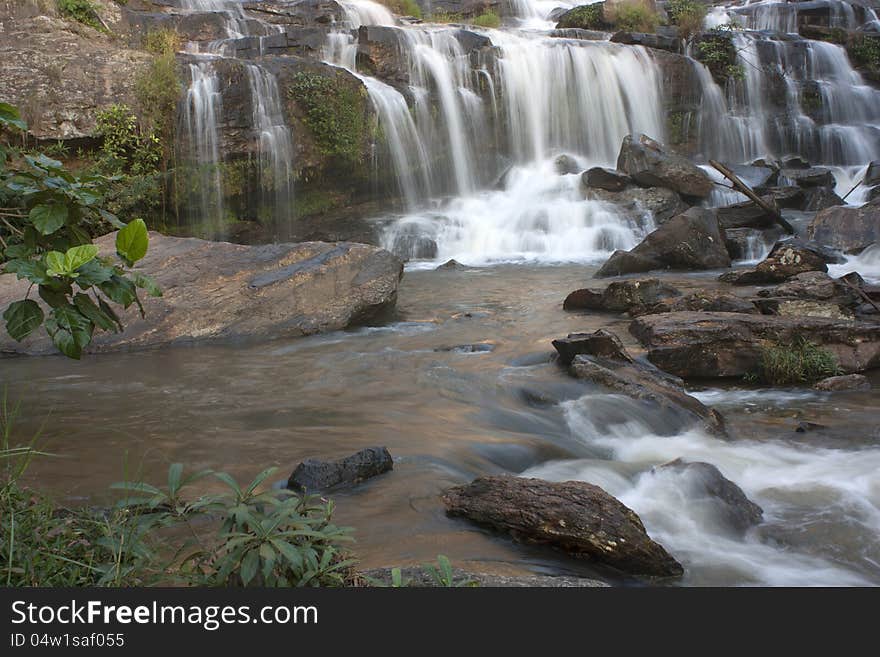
(82, 11)
(635, 16)
(716, 51)
(586, 17)
(47, 219)
(487, 19)
(801, 361)
(162, 41)
(447, 17)
(334, 113)
(443, 575)
(125, 147)
(688, 15)
(404, 7)
(865, 51)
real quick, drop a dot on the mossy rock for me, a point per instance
(585, 17)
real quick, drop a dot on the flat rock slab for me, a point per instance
(696, 345)
(222, 291)
(577, 517)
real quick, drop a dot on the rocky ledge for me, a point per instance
(221, 291)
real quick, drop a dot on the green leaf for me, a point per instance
(119, 290)
(108, 310)
(77, 256)
(53, 296)
(111, 219)
(32, 270)
(148, 284)
(92, 273)
(48, 218)
(97, 316)
(22, 317)
(55, 265)
(175, 472)
(70, 330)
(249, 566)
(9, 116)
(132, 241)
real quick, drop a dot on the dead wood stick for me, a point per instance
(861, 292)
(741, 187)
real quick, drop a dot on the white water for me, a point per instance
(867, 263)
(803, 490)
(202, 108)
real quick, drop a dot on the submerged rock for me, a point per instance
(738, 510)
(846, 382)
(577, 517)
(648, 164)
(314, 475)
(696, 345)
(621, 296)
(566, 164)
(691, 240)
(601, 343)
(221, 291)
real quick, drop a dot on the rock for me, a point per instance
(477, 348)
(739, 511)
(450, 265)
(601, 343)
(661, 203)
(872, 174)
(607, 179)
(577, 517)
(789, 198)
(222, 291)
(744, 215)
(621, 296)
(847, 228)
(847, 382)
(696, 345)
(646, 162)
(703, 300)
(566, 164)
(585, 17)
(807, 177)
(820, 198)
(803, 308)
(743, 243)
(644, 383)
(657, 41)
(815, 285)
(755, 174)
(411, 245)
(806, 427)
(418, 577)
(787, 258)
(691, 240)
(313, 475)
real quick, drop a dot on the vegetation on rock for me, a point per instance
(487, 19)
(635, 16)
(801, 361)
(688, 15)
(715, 49)
(585, 17)
(82, 11)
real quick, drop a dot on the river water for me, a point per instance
(448, 416)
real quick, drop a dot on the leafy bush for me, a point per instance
(404, 7)
(688, 15)
(585, 17)
(487, 19)
(162, 41)
(635, 16)
(716, 51)
(125, 147)
(48, 217)
(865, 51)
(798, 362)
(82, 11)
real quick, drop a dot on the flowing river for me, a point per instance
(448, 415)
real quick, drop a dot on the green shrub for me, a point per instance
(635, 16)
(162, 41)
(487, 19)
(585, 17)
(447, 17)
(716, 51)
(688, 15)
(865, 51)
(82, 11)
(801, 361)
(403, 7)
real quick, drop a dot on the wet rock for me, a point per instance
(414, 246)
(744, 215)
(621, 296)
(657, 41)
(418, 577)
(692, 240)
(786, 259)
(738, 510)
(221, 291)
(787, 198)
(872, 174)
(585, 17)
(807, 177)
(577, 517)
(451, 265)
(566, 164)
(807, 427)
(815, 285)
(607, 179)
(846, 382)
(313, 475)
(640, 381)
(847, 228)
(601, 343)
(742, 242)
(477, 348)
(706, 301)
(662, 204)
(803, 308)
(648, 164)
(820, 198)
(755, 175)
(696, 345)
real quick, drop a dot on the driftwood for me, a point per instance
(741, 187)
(861, 293)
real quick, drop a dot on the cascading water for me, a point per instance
(202, 107)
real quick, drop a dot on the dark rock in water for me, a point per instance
(649, 165)
(809, 177)
(414, 246)
(478, 348)
(796, 163)
(755, 175)
(787, 258)
(577, 517)
(696, 345)
(740, 242)
(846, 382)
(601, 343)
(820, 198)
(847, 228)
(660, 202)
(621, 296)
(644, 383)
(647, 40)
(217, 291)
(419, 578)
(814, 285)
(566, 164)
(806, 427)
(872, 174)
(787, 198)
(739, 511)
(744, 215)
(691, 240)
(313, 475)
(607, 179)
(450, 265)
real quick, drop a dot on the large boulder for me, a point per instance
(845, 382)
(692, 240)
(649, 165)
(607, 179)
(661, 203)
(696, 345)
(847, 228)
(221, 291)
(577, 517)
(787, 258)
(621, 296)
(313, 475)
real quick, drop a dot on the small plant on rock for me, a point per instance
(800, 361)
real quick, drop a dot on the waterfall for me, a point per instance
(202, 107)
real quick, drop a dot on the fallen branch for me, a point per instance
(741, 187)
(861, 292)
